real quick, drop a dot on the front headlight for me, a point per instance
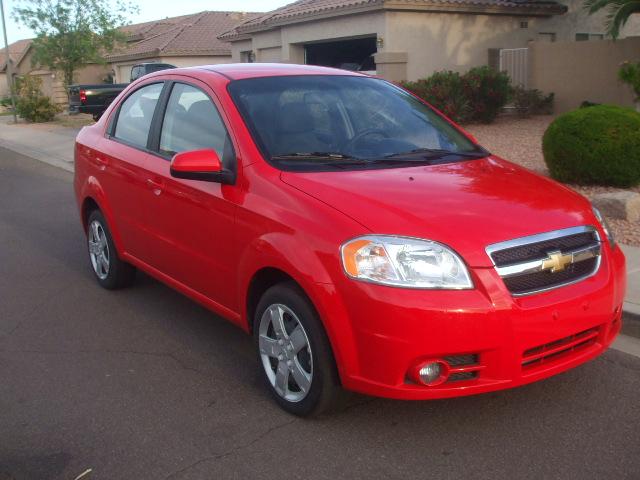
(404, 262)
(605, 226)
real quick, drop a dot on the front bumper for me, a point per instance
(381, 333)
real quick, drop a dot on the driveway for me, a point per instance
(145, 384)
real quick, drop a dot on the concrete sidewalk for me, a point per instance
(49, 143)
(53, 144)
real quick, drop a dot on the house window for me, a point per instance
(583, 37)
(524, 24)
(247, 57)
(547, 37)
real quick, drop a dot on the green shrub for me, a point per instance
(32, 104)
(476, 96)
(532, 102)
(488, 91)
(595, 145)
(629, 73)
(445, 91)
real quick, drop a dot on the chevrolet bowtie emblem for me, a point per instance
(557, 262)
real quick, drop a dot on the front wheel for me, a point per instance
(294, 353)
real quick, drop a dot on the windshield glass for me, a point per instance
(321, 120)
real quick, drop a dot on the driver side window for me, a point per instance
(192, 122)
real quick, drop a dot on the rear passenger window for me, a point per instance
(192, 122)
(136, 113)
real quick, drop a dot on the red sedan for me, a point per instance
(364, 240)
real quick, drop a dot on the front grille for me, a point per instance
(550, 260)
(534, 251)
(523, 284)
(562, 348)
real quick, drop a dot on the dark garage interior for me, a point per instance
(355, 54)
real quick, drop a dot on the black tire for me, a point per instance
(119, 273)
(325, 393)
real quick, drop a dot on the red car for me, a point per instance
(364, 240)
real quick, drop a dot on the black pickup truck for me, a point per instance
(94, 99)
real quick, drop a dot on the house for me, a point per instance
(183, 41)
(409, 39)
(21, 55)
(17, 51)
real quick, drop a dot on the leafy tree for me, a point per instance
(618, 12)
(72, 33)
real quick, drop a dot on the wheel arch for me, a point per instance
(89, 204)
(263, 280)
(92, 197)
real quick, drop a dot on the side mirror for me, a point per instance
(202, 165)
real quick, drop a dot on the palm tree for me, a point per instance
(618, 12)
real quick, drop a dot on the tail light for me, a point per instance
(83, 96)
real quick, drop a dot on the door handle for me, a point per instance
(156, 187)
(100, 162)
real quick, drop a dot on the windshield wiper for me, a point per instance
(330, 159)
(313, 156)
(435, 154)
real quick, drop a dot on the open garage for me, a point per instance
(351, 54)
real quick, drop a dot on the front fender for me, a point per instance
(289, 254)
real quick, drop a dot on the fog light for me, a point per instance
(432, 372)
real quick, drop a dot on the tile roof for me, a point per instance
(187, 35)
(17, 50)
(302, 9)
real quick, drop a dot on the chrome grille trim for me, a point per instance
(533, 266)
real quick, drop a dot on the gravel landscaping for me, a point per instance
(520, 140)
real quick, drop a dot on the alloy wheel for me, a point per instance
(98, 250)
(285, 352)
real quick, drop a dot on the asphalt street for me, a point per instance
(144, 384)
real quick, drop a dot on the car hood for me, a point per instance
(466, 205)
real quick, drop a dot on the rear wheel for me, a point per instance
(110, 271)
(294, 353)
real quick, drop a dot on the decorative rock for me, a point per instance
(621, 205)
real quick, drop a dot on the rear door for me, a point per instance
(122, 159)
(193, 221)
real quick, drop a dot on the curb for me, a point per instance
(630, 324)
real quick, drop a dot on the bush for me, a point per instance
(595, 145)
(445, 91)
(32, 104)
(478, 95)
(532, 102)
(488, 91)
(629, 73)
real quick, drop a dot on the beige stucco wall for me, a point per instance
(195, 61)
(450, 41)
(578, 71)
(4, 87)
(123, 69)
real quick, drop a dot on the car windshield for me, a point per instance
(338, 121)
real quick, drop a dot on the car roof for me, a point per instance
(238, 71)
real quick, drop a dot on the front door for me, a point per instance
(193, 221)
